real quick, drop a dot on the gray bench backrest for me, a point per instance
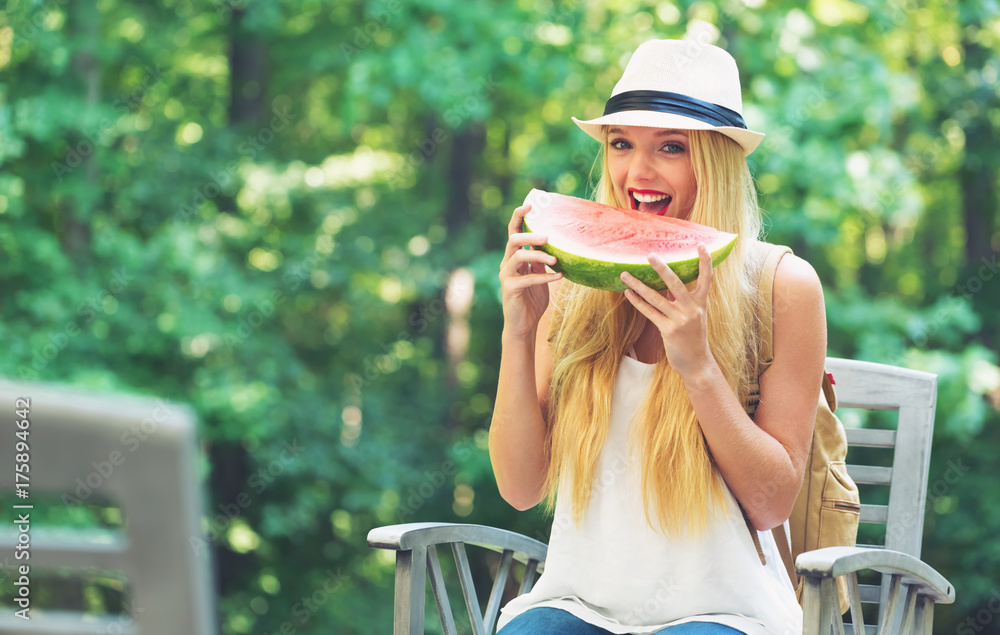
(139, 455)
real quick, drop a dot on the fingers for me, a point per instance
(517, 220)
(677, 287)
(643, 306)
(525, 261)
(526, 268)
(517, 238)
(673, 282)
(522, 267)
(517, 283)
(518, 241)
(705, 274)
(647, 300)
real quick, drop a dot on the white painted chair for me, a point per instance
(913, 395)
(138, 455)
(862, 385)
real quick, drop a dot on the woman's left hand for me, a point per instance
(682, 320)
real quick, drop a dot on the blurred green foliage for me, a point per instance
(290, 215)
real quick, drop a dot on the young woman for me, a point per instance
(637, 413)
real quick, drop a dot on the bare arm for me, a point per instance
(518, 430)
(761, 459)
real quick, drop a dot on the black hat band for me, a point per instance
(676, 103)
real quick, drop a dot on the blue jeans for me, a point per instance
(545, 620)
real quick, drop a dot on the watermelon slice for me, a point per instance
(594, 243)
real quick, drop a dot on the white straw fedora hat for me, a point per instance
(679, 84)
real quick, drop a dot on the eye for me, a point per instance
(672, 147)
(620, 144)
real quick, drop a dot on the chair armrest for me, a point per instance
(408, 536)
(416, 554)
(832, 562)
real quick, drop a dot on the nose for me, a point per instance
(641, 167)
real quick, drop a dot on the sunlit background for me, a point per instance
(290, 215)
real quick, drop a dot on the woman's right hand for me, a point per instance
(523, 277)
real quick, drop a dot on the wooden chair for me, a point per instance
(861, 385)
(135, 455)
(913, 395)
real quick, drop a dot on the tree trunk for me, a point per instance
(76, 233)
(465, 150)
(978, 174)
(247, 75)
(466, 147)
(229, 460)
(227, 481)
(978, 177)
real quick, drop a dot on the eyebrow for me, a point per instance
(661, 133)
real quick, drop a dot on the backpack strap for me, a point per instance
(753, 536)
(771, 255)
(785, 551)
(765, 306)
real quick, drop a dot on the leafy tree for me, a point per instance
(290, 215)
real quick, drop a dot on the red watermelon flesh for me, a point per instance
(594, 243)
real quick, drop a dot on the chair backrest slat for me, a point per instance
(468, 588)
(864, 438)
(909, 609)
(74, 548)
(67, 623)
(878, 386)
(499, 584)
(530, 574)
(870, 474)
(870, 593)
(440, 592)
(854, 595)
(838, 623)
(874, 514)
(888, 614)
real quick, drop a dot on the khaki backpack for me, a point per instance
(828, 507)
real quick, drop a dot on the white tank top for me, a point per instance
(617, 573)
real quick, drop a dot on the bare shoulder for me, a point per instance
(799, 319)
(797, 287)
(794, 272)
(799, 322)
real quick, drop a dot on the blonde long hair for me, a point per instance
(591, 330)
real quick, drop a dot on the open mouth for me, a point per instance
(649, 201)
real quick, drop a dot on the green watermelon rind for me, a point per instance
(604, 274)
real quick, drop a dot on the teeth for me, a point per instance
(649, 198)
